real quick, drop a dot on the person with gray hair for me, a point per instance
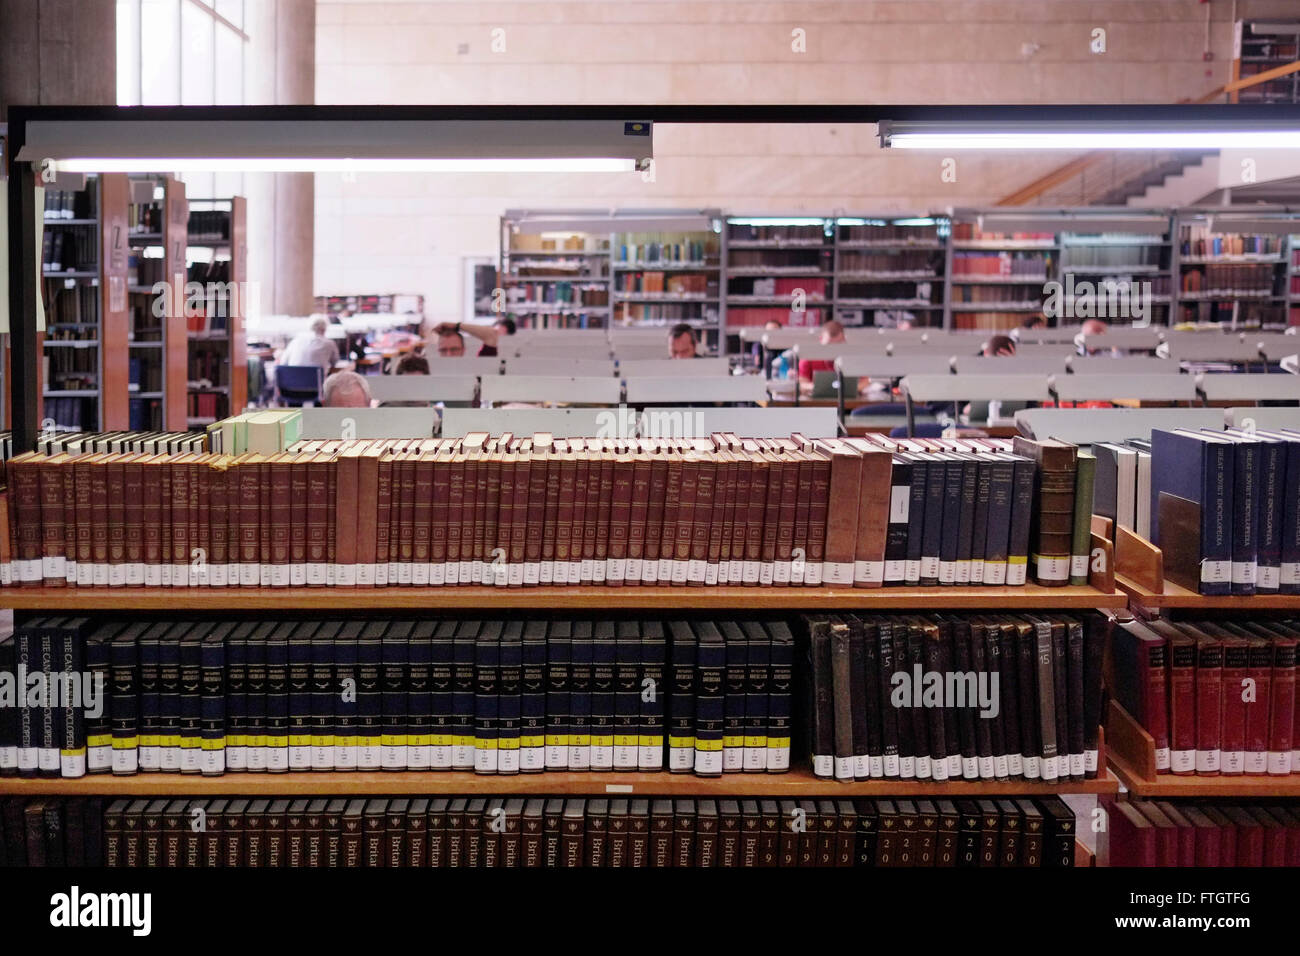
(345, 390)
(312, 347)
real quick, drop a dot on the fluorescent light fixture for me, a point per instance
(346, 165)
(1081, 135)
(1081, 224)
(778, 221)
(913, 222)
(1251, 224)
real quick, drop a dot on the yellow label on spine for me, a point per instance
(646, 740)
(731, 741)
(218, 744)
(678, 742)
(299, 740)
(99, 740)
(756, 741)
(1018, 559)
(709, 746)
(126, 743)
(190, 743)
(625, 740)
(236, 740)
(441, 740)
(150, 740)
(368, 741)
(557, 740)
(485, 743)
(418, 740)
(277, 741)
(530, 741)
(77, 752)
(169, 740)
(393, 740)
(602, 741)
(508, 743)
(460, 740)
(579, 740)
(327, 741)
(342, 741)
(778, 743)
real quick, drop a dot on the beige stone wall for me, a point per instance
(409, 233)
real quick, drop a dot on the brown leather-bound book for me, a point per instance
(176, 544)
(637, 518)
(133, 519)
(417, 516)
(436, 832)
(1052, 520)
(843, 493)
(255, 833)
(674, 466)
(656, 476)
(803, 512)
(752, 510)
(604, 505)
(299, 465)
(622, 474)
(394, 849)
(476, 496)
(520, 515)
(367, 529)
(660, 853)
(213, 850)
(729, 833)
(374, 818)
(807, 843)
(552, 824)
(351, 818)
(788, 842)
(174, 824)
(472, 832)
(245, 493)
(417, 836)
(874, 503)
(565, 467)
(788, 504)
(317, 518)
(817, 464)
(116, 517)
(53, 548)
(153, 516)
(83, 508)
(684, 833)
(538, 502)
(277, 472)
(132, 830)
(442, 515)
(706, 834)
(24, 510)
(232, 833)
(531, 833)
(572, 828)
(295, 834)
(492, 469)
(719, 503)
(264, 519)
(693, 516)
(114, 814)
(586, 490)
(499, 555)
(214, 530)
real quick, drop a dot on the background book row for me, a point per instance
(537, 832)
(948, 697)
(1217, 697)
(1205, 833)
(515, 512)
(490, 696)
(1225, 509)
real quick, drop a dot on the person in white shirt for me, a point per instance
(312, 348)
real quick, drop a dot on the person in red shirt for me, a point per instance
(832, 334)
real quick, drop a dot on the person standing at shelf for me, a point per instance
(682, 341)
(489, 335)
(312, 347)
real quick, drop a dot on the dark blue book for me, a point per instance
(735, 679)
(347, 754)
(532, 699)
(212, 700)
(681, 697)
(1198, 468)
(237, 695)
(1287, 503)
(916, 519)
(70, 659)
(604, 647)
(627, 695)
(191, 725)
(758, 673)
(370, 696)
(780, 697)
(971, 468)
(169, 698)
(277, 698)
(395, 659)
(653, 691)
(27, 646)
(580, 674)
(419, 696)
(47, 714)
(463, 682)
(1022, 508)
(441, 698)
(487, 666)
(710, 697)
(9, 714)
(936, 483)
(300, 702)
(950, 517)
(255, 697)
(150, 691)
(1247, 484)
(509, 706)
(559, 641)
(99, 717)
(323, 695)
(896, 534)
(124, 675)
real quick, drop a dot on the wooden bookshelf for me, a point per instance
(797, 783)
(590, 598)
(226, 346)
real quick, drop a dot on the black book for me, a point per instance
(604, 651)
(950, 517)
(1022, 504)
(149, 678)
(1011, 839)
(419, 696)
(916, 519)
(295, 834)
(909, 833)
(191, 724)
(237, 695)
(846, 819)
(394, 661)
(441, 695)
(1046, 687)
(842, 702)
(212, 700)
(277, 699)
(1095, 637)
(314, 833)
(932, 651)
(9, 714)
(1059, 836)
(274, 822)
(859, 698)
(780, 698)
(255, 833)
(214, 818)
(887, 834)
(1004, 729)
(15, 836)
(346, 747)
(758, 666)
(1072, 704)
(487, 672)
(735, 683)
(821, 700)
(951, 740)
(532, 699)
(300, 704)
(559, 643)
(769, 833)
(509, 688)
(921, 742)
(323, 745)
(255, 724)
(580, 670)
(52, 819)
(809, 838)
(932, 527)
(968, 712)
(93, 828)
(661, 833)
(903, 709)
(980, 516)
(997, 537)
(552, 825)
(627, 695)
(681, 698)
(1033, 833)
(652, 693)
(232, 832)
(70, 723)
(969, 833)
(123, 660)
(896, 533)
(710, 667)
(417, 833)
(40, 659)
(706, 834)
(970, 469)
(889, 730)
(1031, 723)
(370, 696)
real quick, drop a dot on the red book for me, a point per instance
(1274, 836)
(1250, 837)
(1206, 832)
(1259, 697)
(1282, 708)
(1141, 665)
(1209, 705)
(1186, 833)
(1182, 705)
(1236, 666)
(1291, 822)
(1166, 833)
(1227, 835)
(1132, 837)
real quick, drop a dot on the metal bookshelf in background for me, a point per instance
(217, 258)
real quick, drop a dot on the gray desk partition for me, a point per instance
(368, 422)
(746, 422)
(1275, 417)
(1010, 365)
(673, 368)
(1123, 365)
(894, 366)
(580, 367)
(1084, 426)
(732, 388)
(1243, 387)
(1087, 387)
(950, 388)
(422, 388)
(560, 422)
(551, 388)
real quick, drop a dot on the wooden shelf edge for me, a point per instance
(1083, 857)
(1176, 596)
(329, 783)
(1179, 786)
(586, 597)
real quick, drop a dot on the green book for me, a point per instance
(1080, 549)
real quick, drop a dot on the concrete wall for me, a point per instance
(408, 234)
(57, 52)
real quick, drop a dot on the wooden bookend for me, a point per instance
(1129, 743)
(1083, 857)
(1139, 560)
(1103, 526)
(1101, 573)
(1180, 527)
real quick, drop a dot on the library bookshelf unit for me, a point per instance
(158, 349)
(1262, 45)
(217, 258)
(555, 269)
(798, 782)
(779, 268)
(1231, 267)
(891, 269)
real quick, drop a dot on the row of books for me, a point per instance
(761, 315)
(119, 442)
(521, 242)
(1122, 483)
(1198, 242)
(557, 293)
(70, 249)
(1217, 697)
(996, 295)
(971, 231)
(665, 313)
(71, 204)
(661, 283)
(204, 404)
(806, 233)
(70, 368)
(535, 832)
(401, 304)
(145, 270)
(67, 414)
(534, 511)
(1030, 266)
(897, 234)
(990, 321)
(1123, 251)
(490, 696)
(1229, 279)
(920, 263)
(795, 261)
(684, 251)
(144, 217)
(209, 225)
(1225, 509)
(143, 412)
(810, 288)
(955, 696)
(1202, 833)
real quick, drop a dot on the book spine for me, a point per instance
(1209, 708)
(1245, 517)
(1182, 708)
(1217, 504)
(1081, 541)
